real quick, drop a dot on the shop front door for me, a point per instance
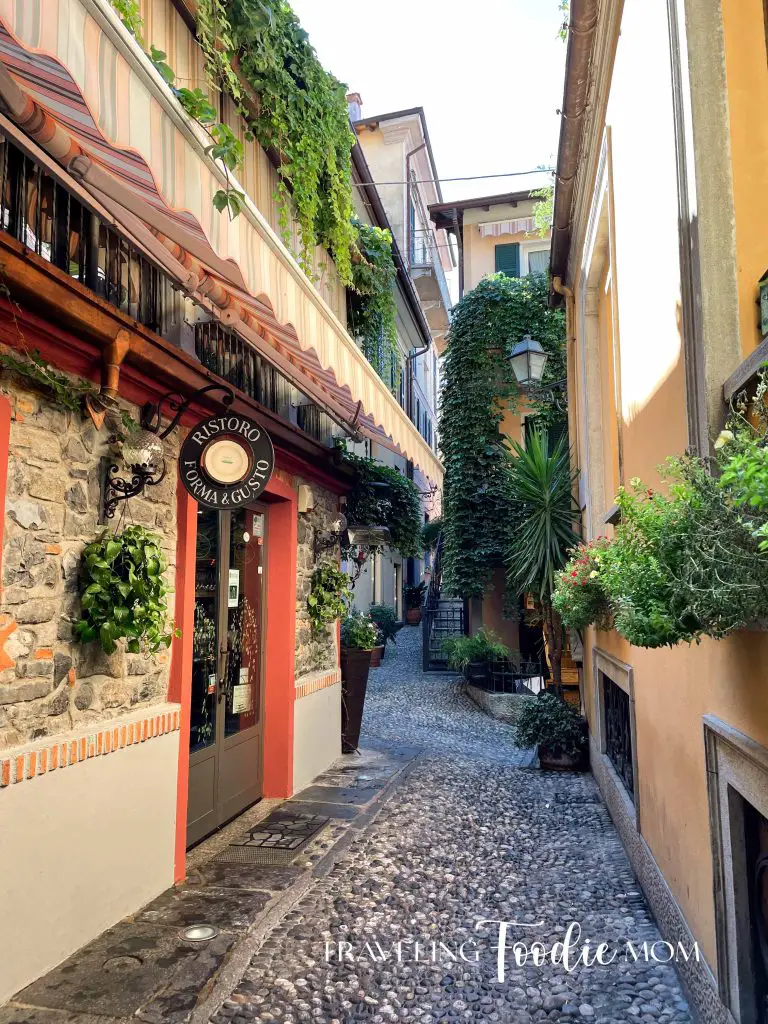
(225, 739)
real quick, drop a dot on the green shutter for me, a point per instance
(508, 259)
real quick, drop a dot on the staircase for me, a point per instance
(442, 617)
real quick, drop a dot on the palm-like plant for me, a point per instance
(542, 493)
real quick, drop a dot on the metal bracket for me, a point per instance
(151, 413)
(115, 489)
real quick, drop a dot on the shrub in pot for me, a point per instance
(556, 728)
(414, 599)
(472, 655)
(358, 638)
(378, 651)
(385, 618)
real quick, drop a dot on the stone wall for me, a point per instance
(313, 653)
(48, 684)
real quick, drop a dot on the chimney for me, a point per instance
(355, 106)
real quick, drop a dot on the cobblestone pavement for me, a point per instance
(469, 836)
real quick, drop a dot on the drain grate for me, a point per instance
(278, 839)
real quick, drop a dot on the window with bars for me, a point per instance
(618, 732)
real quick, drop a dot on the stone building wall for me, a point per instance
(313, 653)
(48, 684)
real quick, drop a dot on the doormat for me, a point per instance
(278, 839)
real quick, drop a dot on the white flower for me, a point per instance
(593, 574)
(723, 438)
(635, 481)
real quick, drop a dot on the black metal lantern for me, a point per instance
(528, 360)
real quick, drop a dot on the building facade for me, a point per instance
(395, 147)
(659, 242)
(497, 235)
(143, 300)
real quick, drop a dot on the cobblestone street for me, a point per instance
(468, 835)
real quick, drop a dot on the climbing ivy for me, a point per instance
(300, 113)
(372, 308)
(477, 387)
(302, 116)
(225, 146)
(396, 505)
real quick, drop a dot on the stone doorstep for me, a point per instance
(142, 968)
(96, 739)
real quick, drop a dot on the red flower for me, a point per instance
(574, 573)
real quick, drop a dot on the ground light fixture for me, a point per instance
(199, 933)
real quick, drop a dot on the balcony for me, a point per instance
(42, 214)
(431, 284)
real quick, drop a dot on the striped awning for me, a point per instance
(101, 111)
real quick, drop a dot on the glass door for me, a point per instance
(226, 699)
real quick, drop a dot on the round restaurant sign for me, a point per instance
(226, 461)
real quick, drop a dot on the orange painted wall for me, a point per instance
(746, 66)
(674, 688)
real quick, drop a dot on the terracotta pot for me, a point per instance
(376, 655)
(413, 616)
(355, 664)
(553, 762)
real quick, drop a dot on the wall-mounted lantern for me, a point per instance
(143, 451)
(528, 360)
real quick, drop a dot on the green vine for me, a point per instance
(396, 506)
(329, 594)
(544, 210)
(63, 390)
(372, 308)
(225, 146)
(478, 382)
(123, 593)
(302, 116)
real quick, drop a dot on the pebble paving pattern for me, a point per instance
(471, 834)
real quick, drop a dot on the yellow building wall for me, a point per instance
(746, 68)
(675, 687)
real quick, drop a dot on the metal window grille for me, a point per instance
(618, 732)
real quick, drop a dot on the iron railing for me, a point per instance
(225, 353)
(37, 210)
(440, 619)
(510, 675)
(50, 221)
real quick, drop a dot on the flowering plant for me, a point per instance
(579, 596)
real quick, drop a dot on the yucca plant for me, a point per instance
(542, 495)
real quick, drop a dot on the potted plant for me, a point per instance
(414, 599)
(358, 638)
(471, 655)
(556, 728)
(385, 617)
(378, 651)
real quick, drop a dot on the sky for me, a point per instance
(488, 73)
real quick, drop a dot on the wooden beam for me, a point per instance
(745, 371)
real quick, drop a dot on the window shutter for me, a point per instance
(508, 259)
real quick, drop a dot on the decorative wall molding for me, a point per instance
(31, 760)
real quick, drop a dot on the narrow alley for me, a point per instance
(468, 835)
